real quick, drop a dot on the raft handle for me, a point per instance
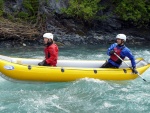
(95, 71)
(29, 67)
(62, 70)
(125, 71)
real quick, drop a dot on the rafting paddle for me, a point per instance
(129, 66)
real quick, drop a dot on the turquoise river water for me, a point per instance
(80, 96)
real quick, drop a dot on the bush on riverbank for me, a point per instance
(35, 17)
(137, 11)
(84, 9)
(16, 31)
(1, 7)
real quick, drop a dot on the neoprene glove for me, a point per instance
(41, 63)
(111, 52)
(134, 71)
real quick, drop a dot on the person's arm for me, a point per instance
(132, 59)
(129, 54)
(110, 49)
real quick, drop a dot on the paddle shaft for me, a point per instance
(129, 66)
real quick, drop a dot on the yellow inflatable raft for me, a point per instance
(24, 69)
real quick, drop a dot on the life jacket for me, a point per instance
(51, 54)
(118, 52)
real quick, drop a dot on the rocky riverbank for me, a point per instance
(14, 34)
(67, 31)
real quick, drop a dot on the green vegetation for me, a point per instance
(32, 7)
(83, 9)
(1, 7)
(136, 11)
(23, 15)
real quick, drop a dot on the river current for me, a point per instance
(80, 96)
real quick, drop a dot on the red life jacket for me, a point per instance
(51, 54)
(114, 57)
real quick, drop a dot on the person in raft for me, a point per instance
(51, 51)
(122, 51)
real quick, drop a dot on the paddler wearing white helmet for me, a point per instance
(117, 52)
(51, 51)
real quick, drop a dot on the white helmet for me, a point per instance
(121, 36)
(48, 35)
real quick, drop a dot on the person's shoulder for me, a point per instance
(126, 48)
(114, 44)
(53, 45)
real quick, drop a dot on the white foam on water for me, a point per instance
(39, 103)
(125, 89)
(108, 105)
(2, 108)
(91, 80)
